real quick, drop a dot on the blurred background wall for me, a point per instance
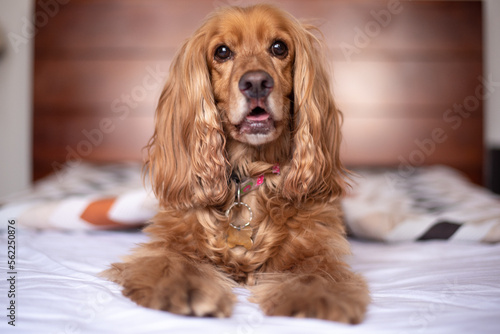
(491, 11)
(16, 83)
(492, 67)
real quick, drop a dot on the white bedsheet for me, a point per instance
(428, 287)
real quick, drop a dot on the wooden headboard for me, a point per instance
(407, 75)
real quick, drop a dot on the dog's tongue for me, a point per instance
(258, 117)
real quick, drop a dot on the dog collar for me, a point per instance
(242, 235)
(253, 183)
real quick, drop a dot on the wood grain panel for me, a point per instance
(386, 140)
(411, 30)
(408, 143)
(74, 139)
(162, 24)
(122, 24)
(73, 83)
(413, 66)
(419, 109)
(406, 82)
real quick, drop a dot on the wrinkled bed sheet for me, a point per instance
(425, 287)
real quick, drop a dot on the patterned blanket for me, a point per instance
(434, 202)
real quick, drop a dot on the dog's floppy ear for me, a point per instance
(316, 170)
(186, 162)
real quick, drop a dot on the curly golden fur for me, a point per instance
(249, 89)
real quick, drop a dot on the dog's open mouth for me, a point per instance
(258, 121)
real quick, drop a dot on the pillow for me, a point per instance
(84, 197)
(434, 202)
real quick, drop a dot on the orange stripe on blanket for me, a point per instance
(96, 213)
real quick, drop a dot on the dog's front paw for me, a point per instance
(184, 290)
(187, 295)
(311, 296)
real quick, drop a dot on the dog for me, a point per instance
(244, 162)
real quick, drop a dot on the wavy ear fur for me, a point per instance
(316, 171)
(186, 162)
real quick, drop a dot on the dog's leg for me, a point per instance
(167, 281)
(342, 297)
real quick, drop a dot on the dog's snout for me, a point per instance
(256, 84)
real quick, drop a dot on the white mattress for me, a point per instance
(425, 287)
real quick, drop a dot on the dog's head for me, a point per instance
(250, 57)
(255, 77)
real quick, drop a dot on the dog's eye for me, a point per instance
(222, 53)
(279, 49)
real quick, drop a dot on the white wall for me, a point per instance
(491, 10)
(15, 97)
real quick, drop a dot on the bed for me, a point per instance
(424, 231)
(422, 279)
(416, 288)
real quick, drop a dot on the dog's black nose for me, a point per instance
(256, 84)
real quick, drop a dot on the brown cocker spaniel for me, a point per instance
(245, 164)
